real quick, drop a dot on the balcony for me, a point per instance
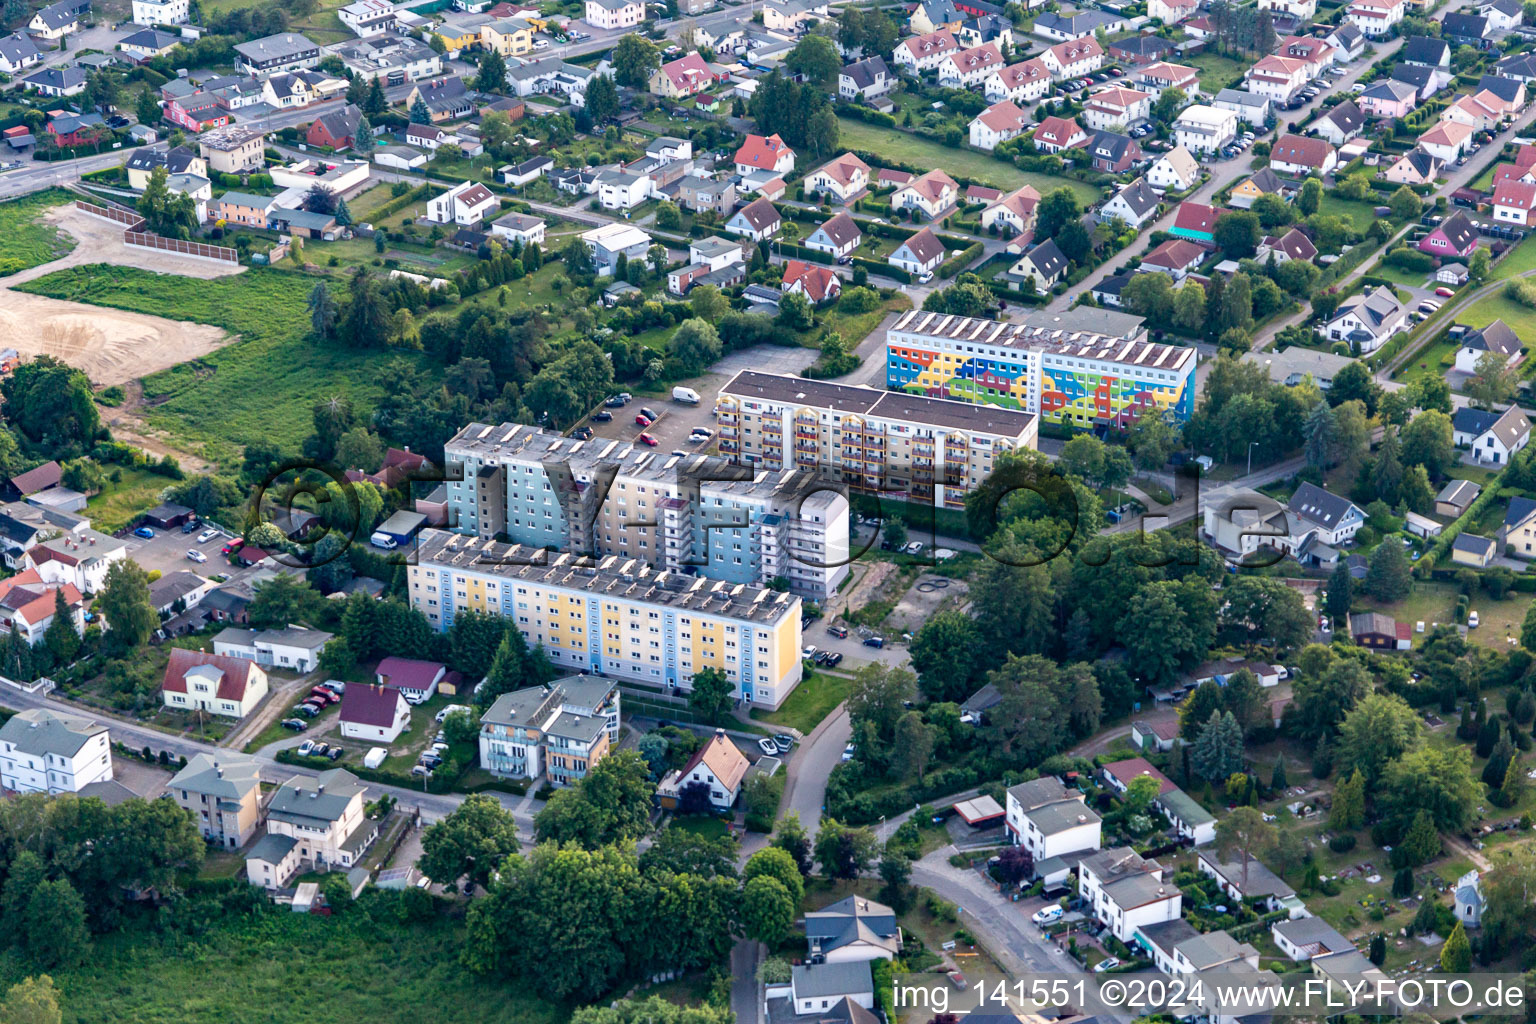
(729, 417)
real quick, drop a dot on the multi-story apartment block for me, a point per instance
(930, 449)
(617, 617)
(695, 515)
(561, 730)
(43, 751)
(223, 795)
(1100, 369)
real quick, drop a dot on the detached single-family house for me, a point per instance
(196, 681)
(853, 929)
(293, 648)
(758, 220)
(47, 751)
(842, 178)
(58, 19)
(681, 78)
(467, 204)
(1175, 257)
(832, 990)
(1298, 156)
(764, 153)
(416, 680)
(1135, 204)
(865, 80)
(919, 254)
(997, 124)
(1205, 129)
(28, 604)
(1125, 892)
(1447, 141)
(1365, 321)
(1196, 222)
(1117, 109)
(1044, 265)
(1388, 99)
(1380, 632)
(1277, 78)
(1252, 882)
(614, 14)
(1513, 202)
(1263, 182)
(1174, 171)
(1340, 124)
(715, 772)
(1058, 133)
(1493, 437)
(1113, 153)
(1159, 77)
(1414, 167)
(374, 713)
(1012, 214)
(1455, 236)
(1467, 30)
(1375, 18)
(930, 194)
(1023, 82)
(1302, 938)
(1517, 535)
(839, 236)
(1497, 337)
(817, 283)
(1293, 245)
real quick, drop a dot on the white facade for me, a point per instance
(1205, 129)
(608, 14)
(465, 204)
(1172, 175)
(46, 752)
(160, 12)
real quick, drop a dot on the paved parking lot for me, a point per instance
(167, 551)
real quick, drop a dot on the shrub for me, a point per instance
(1342, 843)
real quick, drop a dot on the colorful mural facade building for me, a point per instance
(1082, 368)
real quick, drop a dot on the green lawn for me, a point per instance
(1397, 275)
(262, 387)
(813, 700)
(284, 968)
(1520, 261)
(1498, 306)
(921, 152)
(1216, 71)
(119, 503)
(1433, 362)
(1358, 212)
(24, 242)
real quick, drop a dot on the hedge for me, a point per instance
(869, 115)
(400, 202)
(883, 269)
(953, 266)
(801, 252)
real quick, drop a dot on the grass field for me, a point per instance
(119, 503)
(1359, 213)
(922, 153)
(261, 388)
(1499, 306)
(285, 968)
(24, 242)
(1520, 261)
(813, 700)
(1429, 364)
(1216, 71)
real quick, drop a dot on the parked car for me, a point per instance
(848, 752)
(190, 526)
(700, 434)
(1445, 293)
(321, 693)
(304, 748)
(1047, 915)
(784, 741)
(647, 439)
(1109, 963)
(196, 555)
(876, 642)
(809, 651)
(602, 416)
(767, 746)
(335, 753)
(144, 532)
(617, 401)
(646, 410)
(582, 433)
(914, 548)
(1472, 620)
(421, 771)
(833, 659)
(206, 536)
(320, 749)
(642, 421)
(296, 724)
(232, 547)
(841, 632)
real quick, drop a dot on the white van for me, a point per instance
(383, 540)
(688, 395)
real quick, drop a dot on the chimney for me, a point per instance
(720, 733)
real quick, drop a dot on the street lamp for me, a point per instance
(1250, 456)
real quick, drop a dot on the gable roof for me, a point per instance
(1471, 544)
(1316, 505)
(1301, 150)
(923, 246)
(38, 478)
(1496, 337)
(1294, 243)
(1446, 133)
(762, 152)
(723, 758)
(235, 673)
(1058, 130)
(1425, 50)
(815, 279)
(866, 72)
(759, 213)
(842, 169)
(1392, 89)
(1138, 195)
(1132, 768)
(1047, 259)
(841, 229)
(1085, 48)
(1346, 116)
(1174, 254)
(1425, 165)
(1506, 89)
(932, 185)
(1471, 25)
(1373, 309)
(1196, 217)
(1003, 117)
(408, 673)
(370, 705)
(228, 775)
(1182, 163)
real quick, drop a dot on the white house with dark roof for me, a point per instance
(867, 79)
(376, 713)
(1493, 437)
(1135, 204)
(839, 236)
(853, 929)
(1365, 321)
(1051, 820)
(1251, 882)
(466, 204)
(1302, 938)
(820, 988)
(293, 648)
(758, 220)
(1126, 892)
(1497, 337)
(46, 751)
(1045, 264)
(919, 254)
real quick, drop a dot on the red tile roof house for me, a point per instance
(1120, 774)
(198, 681)
(1513, 202)
(817, 283)
(1195, 221)
(764, 154)
(38, 478)
(335, 130)
(1454, 236)
(416, 680)
(27, 605)
(1175, 257)
(1058, 133)
(1297, 156)
(377, 713)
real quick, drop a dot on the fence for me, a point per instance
(197, 250)
(117, 214)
